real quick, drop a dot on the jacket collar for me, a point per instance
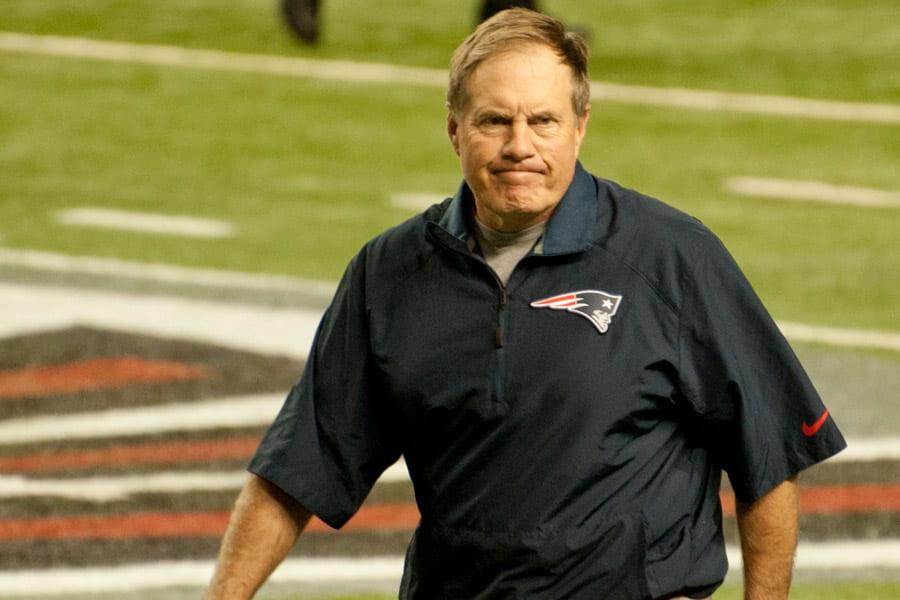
(571, 227)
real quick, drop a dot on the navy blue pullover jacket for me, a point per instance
(566, 433)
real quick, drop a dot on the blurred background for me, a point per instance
(183, 181)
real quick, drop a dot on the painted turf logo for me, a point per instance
(595, 306)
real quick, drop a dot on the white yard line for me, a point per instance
(833, 336)
(819, 556)
(176, 56)
(708, 100)
(163, 273)
(812, 191)
(268, 330)
(415, 201)
(177, 225)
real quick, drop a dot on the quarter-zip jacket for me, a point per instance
(550, 458)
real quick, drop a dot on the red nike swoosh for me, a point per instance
(811, 430)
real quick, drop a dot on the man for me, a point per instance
(302, 16)
(566, 366)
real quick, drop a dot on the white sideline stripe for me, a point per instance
(237, 411)
(92, 265)
(74, 47)
(197, 573)
(388, 569)
(269, 330)
(417, 201)
(396, 473)
(832, 336)
(876, 554)
(178, 225)
(812, 191)
(108, 489)
(869, 449)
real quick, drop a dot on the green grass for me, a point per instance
(838, 591)
(305, 168)
(833, 49)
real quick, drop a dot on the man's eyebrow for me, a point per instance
(491, 112)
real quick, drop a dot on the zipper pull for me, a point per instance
(498, 337)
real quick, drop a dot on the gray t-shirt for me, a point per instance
(503, 250)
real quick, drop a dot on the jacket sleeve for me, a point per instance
(332, 438)
(763, 416)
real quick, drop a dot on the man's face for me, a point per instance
(518, 136)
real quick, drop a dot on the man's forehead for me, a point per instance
(522, 52)
(534, 73)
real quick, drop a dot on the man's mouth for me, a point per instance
(516, 174)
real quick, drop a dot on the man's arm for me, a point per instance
(263, 528)
(768, 529)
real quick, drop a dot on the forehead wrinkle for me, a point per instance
(529, 67)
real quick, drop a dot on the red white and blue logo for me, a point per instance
(595, 306)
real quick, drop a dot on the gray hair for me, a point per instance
(509, 29)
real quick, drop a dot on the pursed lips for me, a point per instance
(516, 174)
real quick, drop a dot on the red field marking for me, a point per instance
(377, 517)
(93, 374)
(839, 499)
(160, 453)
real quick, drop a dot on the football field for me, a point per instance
(181, 184)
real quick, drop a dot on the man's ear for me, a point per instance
(452, 130)
(581, 127)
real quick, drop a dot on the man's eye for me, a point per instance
(543, 120)
(495, 121)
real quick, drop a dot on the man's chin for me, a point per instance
(521, 211)
(521, 196)
(521, 206)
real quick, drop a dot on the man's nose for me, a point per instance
(519, 144)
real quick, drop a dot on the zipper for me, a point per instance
(499, 333)
(497, 374)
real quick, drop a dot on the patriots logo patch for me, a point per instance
(595, 306)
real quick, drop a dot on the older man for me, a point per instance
(566, 366)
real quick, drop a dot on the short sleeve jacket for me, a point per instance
(565, 433)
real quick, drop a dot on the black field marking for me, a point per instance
(232, 372)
